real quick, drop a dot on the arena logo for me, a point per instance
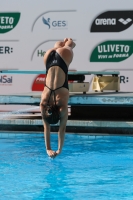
(112, 21)
(5, 80)
(112, 51)
(6, 50)
(38, 83)
(55, 24)
(8, 21)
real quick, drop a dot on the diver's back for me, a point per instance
(55, 77)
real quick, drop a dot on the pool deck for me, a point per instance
(89, 106)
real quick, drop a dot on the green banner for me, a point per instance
(8, 21)
(112, 51)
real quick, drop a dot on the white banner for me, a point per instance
(102, 31)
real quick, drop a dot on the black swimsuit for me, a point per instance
(54, 59)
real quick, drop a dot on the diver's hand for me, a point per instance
(51, 153)
(58, 152)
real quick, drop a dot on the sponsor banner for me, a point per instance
(36, 31)
(53, 20)
(39, 51)
(112, 51)
(6, 49)
(10, 54)
(112, 21)
(38, 83)
(8, 21)
(6, 80)
(126, 81)
(15, 83)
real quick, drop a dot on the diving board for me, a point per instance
(113, 73)
(78, 99)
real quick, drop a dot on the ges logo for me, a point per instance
(55, 24)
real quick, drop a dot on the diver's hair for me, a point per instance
(51, 114)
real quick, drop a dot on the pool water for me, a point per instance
(90, 167)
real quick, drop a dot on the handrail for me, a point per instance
(69, 72)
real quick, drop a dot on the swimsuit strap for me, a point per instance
(50, 94)
(54, 93)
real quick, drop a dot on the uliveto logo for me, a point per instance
(55, 24)
(5, 80)
(112, 21)
(8, 21)
(112, 51)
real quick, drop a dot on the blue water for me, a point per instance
(89, 168)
